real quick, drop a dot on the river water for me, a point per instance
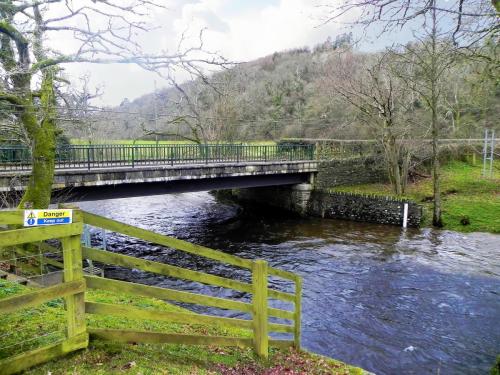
(390, 301)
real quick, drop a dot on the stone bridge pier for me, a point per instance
(293, 198)
(299, 197)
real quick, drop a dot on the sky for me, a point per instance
(240, 30)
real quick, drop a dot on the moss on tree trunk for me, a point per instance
(42, 135)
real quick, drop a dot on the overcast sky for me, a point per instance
(240, 30)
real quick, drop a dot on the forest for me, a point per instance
(304, 93)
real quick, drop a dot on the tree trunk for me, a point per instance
(436, 216)
(43, 145)
(405, 170)
(434, 78)
(392, 158)
(397, 174)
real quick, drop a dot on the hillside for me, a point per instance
(286, 94)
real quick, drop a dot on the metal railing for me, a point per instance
(16, 157)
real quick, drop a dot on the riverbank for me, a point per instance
(46, 322)
(357, 277)
(471, 203)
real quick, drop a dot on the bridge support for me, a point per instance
(293, 198)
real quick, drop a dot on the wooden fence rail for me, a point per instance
(259, 309)
(75, 284)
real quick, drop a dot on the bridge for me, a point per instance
(94, 172)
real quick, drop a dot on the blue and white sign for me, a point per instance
(33, 218)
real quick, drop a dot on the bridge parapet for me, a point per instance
(90, 157)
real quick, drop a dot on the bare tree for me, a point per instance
(382, 101)
(76, 110)
(104, 31)
(435, 50)
(201, 111)
(467, 21)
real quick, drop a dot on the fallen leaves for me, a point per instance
(292, 362)
(129, 365)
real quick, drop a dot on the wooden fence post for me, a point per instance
(260, 324)
(75, 304)
(297, 315)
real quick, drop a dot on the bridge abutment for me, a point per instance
(293, 198)
(299, 198)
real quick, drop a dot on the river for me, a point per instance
(375, 296)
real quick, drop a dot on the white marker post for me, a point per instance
(405, 215)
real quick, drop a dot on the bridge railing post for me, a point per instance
(133, 156)
(311, 151)
(88, 158)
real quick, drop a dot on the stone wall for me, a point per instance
(352, 171)
(357, 207)
(316, 200)
(301, 200)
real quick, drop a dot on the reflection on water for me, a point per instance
(392, 302)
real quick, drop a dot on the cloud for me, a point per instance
(253, 32)
(208, 19)
(240, 30)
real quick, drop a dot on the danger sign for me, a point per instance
(34, 218)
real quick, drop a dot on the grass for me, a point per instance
(104, 357)
(470, 202)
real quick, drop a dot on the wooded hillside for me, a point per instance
(296, 93)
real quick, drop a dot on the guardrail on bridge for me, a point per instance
(17, 157)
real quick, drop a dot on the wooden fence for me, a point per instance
(75, 283)
(72, 288)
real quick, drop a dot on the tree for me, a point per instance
(193, 112)
(432, 58)
(466, 22)
(77, 112)
(382, 101)
(438, 41)
(472, 92)
(104, 31)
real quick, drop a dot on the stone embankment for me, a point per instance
(314, 199)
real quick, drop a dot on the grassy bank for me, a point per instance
(471, 203)
(46, 324)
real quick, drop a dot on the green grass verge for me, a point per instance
(103, 357)
(465, 195)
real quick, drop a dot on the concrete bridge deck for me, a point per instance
(142, 180)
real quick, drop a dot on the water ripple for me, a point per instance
(391, 301)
